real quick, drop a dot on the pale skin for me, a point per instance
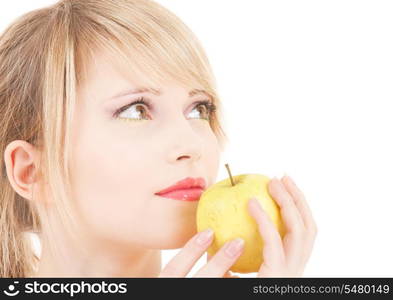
(117, 170)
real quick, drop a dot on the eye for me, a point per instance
(206, 108)
(129, 114)
(132, 111)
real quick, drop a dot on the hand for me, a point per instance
(282, 258)
(285, 257)
(217, 266)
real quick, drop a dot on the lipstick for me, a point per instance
(188, 189)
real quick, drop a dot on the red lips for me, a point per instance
(187, 183)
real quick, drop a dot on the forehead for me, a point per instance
(104, 73)
(109, 77)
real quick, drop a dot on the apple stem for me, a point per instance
(230, 175)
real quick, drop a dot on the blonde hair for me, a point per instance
(44, 57)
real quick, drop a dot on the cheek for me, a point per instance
(211, 159)
(110, 184)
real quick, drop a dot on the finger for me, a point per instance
(306, 214)
(220, 263)
(294, 239)
(181, 264)
(273, 252)
(288, 209)
(301, 203)
(227, 274)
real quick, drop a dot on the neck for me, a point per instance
(99, 262)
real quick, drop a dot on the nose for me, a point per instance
(185, 143)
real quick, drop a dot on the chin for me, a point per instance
(177, 238)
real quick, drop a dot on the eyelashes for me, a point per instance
(211, 108)
(140, 100)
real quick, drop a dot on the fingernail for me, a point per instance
(204, 236)
(278, 182)
(234, 247)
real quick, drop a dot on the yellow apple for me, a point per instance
(223, 208)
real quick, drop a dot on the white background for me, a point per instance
(307, 90)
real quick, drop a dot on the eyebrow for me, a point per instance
(154, 91)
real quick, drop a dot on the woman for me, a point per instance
(104, 103)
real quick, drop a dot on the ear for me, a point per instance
(21, 161)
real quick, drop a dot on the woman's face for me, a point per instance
(119, 165)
